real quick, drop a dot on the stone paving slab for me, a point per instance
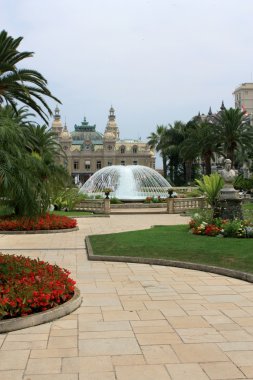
(137, 321)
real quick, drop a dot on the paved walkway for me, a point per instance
(136, 322)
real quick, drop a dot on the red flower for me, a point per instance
(45, 222)
(32, 285)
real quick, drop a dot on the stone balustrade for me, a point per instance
(179, 205)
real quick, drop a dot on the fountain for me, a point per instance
(127, 183)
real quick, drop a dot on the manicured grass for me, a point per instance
(72, 213)
(177, 243)
(248, 206)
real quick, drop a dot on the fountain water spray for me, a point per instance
(133, 182)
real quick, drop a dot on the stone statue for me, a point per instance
(228, 174)
(230, 204)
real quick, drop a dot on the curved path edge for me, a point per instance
(39, 231)
(171, 263)
(42, 317)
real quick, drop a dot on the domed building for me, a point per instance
(88, 150)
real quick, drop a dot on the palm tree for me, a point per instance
(28, 170)
(233, 131)
(46, 154)
(175, 137)
(201, 142)
(158, 141)
(26, 86)
(43, 141)
(15, 177)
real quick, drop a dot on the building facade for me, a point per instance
(88, 150)
(244, 97)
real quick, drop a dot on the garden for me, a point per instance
(32, 174)
(208, 239)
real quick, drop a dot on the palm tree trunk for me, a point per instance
(230, 155)
(208, 164)
(172, 175)
(164, 165)
(188, 171)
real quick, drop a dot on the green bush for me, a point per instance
(242, 183)
(193, 194)
(115, 201)
(233, 228)
(67, 198)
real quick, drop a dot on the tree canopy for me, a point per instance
(184, 147)
(22, 85)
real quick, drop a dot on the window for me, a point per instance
(65, 147)
(76, 165)
(122, 163)
(122, 150)
(87, 146)
(87, 165)
(99, 165)
(134, 149)
(109, 163)
(109, 147)
(135, 162)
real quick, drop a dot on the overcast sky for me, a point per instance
(155, 61)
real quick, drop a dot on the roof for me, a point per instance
(85, 132)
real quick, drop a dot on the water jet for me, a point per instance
(127, 183)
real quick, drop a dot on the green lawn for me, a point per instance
(72, 213)
(248, 206)
(177, 243)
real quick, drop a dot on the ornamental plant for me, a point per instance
(43, 222)
(67, 198)
(153, 199)
(29, 286)
(210, 186)
(220, 227)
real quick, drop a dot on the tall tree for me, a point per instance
(233, 131)
(158, 141)
(26, 86)
(15, 177)
(175, 137)
(28, 170)
(201, 142)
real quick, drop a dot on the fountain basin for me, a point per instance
(127, 183)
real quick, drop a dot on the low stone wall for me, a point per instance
(173, 205)
(98, 206)
(179, 205)
(138, 205)
(186, 189)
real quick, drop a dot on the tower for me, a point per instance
(57, 123)
(111, 126)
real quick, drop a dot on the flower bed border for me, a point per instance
(17, 232)
(244, 276)
(49, 315)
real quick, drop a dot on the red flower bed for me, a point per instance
(212, 230)
(43, 222)
(29, 286)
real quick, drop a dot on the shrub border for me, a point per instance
(171, 263)
(35, 319)
(17, 232)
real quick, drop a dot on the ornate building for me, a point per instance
(244, 97)
(88, 150)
